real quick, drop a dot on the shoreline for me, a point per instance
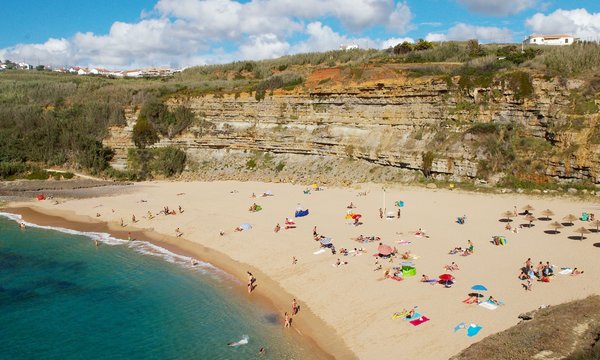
(268, 292)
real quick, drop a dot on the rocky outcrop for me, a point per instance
(413, 123)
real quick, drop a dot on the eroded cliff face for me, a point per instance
(378, 129)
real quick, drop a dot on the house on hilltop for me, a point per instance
(537, 39)
(349, 47)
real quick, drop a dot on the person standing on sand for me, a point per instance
(315, 231)
(294, 260)
(133, 220)
(277, 228)
(399, 213)
(380, 213)
(129, 236)
(294, 307)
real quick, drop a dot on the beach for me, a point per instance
(347, 310)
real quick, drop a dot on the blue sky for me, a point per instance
(131, 33)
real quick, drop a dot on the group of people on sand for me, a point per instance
(464, 252)
(253, 208)
(542, 272)
(287, 318)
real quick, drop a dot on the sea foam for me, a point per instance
(140, 246)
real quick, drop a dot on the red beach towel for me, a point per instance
(419, 321)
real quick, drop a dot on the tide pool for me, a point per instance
(61, 297)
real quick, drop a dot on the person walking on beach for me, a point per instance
(286, 321)
(295, 307)
(399, 213)
(315, 231)
(251, 281)
(294, 260)
(277, 228)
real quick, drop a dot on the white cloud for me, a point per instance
(179, 32)
(264, 46)
(466, 32)
(498, 7)
(578, 22)
(388, 43)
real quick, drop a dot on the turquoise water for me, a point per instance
(63, 298)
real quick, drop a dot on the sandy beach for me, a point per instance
(347, 310)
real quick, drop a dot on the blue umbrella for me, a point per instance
(246, 226)
(479, 287)
(400, 203)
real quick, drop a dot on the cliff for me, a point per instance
(390, 124)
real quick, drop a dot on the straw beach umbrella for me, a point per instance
(582, 231)
(596, 223)
(556, 225)
(528, 208)
(531, 219)
(508, 214)
(570, 218)
(547, 213)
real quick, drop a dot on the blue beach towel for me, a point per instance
(459, 327)
(416, 315)
(473, 330)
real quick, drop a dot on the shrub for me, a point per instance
(144, 133)
(427, 159)
(168, 161)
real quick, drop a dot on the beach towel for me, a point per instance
(488, 305)
(320, 251)
(473, 330)
(470, 300)
(566, 271)
(402, 242)
(401, 314)
(430, 281)
(459, 326)
(397, 278)
(419, 321)
(415, 316)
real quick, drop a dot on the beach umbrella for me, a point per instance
(556, 225)
(246, 226)
(596, 223)
(547, 213)
(446, 277)
(356, 216)
(478, 287)
(528, 208)
(570, 218)
(530, 218)
(400, 203)
(325, 241)
(508, 214)
(384, 250)
(582, 231)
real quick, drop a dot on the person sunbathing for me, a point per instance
(576, 272)
(456, 250)
(350, 206)
(523, 275)
(424, 278)
(452, 267)
(410, 313)
(238, 229)
(493, 301)
(406, 255)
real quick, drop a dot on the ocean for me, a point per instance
(61, 297)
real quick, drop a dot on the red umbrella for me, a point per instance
(356, 216)
(384, 250)
(446, 277)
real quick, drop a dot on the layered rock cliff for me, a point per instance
(520, 125)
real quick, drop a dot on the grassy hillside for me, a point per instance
(51, 119)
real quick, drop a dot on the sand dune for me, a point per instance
(354, 299)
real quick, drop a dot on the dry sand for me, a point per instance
(353, 302)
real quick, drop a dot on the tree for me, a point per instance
(423, 45)
(474, 49)
(144, 133)
(40, 68)
(403, 48)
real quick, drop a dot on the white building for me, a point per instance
(537, 39)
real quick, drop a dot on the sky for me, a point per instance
(126, 34)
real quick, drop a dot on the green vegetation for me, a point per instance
(143, 163)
